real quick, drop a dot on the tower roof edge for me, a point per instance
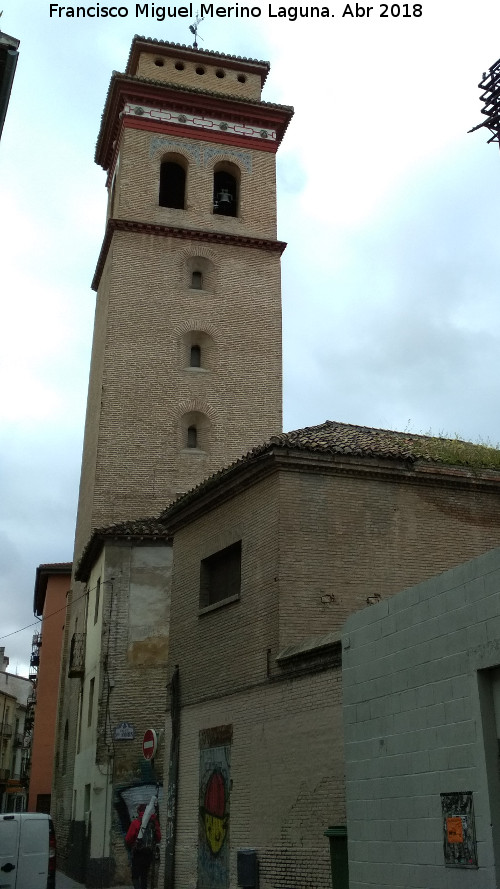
(182, 51)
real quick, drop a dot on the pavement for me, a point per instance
(64, 882)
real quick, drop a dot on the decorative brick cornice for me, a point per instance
(140, 92)
(186, 234)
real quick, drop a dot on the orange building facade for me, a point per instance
(51, 585)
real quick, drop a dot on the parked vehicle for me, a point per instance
(27, 851)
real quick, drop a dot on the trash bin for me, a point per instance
(337, 836)
(247, 868)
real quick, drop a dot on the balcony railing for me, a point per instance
(5, 729)
(77, 655)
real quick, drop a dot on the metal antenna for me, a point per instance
(194, 30)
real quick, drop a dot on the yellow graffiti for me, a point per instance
(215, 830)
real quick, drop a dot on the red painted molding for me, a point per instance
(200, 134)
(187, 234)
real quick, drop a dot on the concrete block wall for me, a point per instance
(415, 727)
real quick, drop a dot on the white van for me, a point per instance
(27, 851)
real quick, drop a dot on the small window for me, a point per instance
(172, 185)
(97, 597)
(192, 437)
(197, 281)
(220, 575)
(91, 702)
(195, 356)
(225, 194)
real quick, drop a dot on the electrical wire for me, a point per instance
(45, 617)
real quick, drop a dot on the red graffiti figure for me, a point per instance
(214, 816)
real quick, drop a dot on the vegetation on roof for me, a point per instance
(456, 452)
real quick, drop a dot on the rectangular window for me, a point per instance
(97, 597)
(79, 724)
(91, 702)
(220, 576)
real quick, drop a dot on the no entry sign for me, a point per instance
(149, 743)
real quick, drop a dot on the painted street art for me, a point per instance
(213, 833)
(128, 798)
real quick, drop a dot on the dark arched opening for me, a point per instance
(172, 185)
(225, 194)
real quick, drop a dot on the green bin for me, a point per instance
(337, 835)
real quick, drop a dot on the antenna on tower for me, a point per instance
(194, 30)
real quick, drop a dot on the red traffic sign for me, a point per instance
(149, 743)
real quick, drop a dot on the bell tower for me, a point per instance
(186, 360)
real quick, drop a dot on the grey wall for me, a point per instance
(421, 709)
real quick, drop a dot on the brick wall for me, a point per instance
(348, 536)
(142, 392)
(138, 183)
(421, 697)
(286, 756)
(316, 542)
(228, 85)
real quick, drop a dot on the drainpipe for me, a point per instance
(173, 775)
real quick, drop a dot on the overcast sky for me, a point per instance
(391, 315)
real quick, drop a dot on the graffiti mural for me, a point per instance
(213, 833)
(128, 798)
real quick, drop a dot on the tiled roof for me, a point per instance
(150, 528)
(331, 437)
(346, 439)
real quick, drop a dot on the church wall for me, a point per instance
(141, 412)
(245, 629)
(285, 765)
(229, 85)
(138, 184)
(347, 539)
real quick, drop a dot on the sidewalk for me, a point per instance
(64, 882)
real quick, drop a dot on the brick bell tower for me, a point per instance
(186, 360)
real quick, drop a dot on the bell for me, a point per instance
(224, 197)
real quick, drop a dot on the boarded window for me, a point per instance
(220, 575)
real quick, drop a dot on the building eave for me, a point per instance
(131, 532)
(43, 573)
(230, 482)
